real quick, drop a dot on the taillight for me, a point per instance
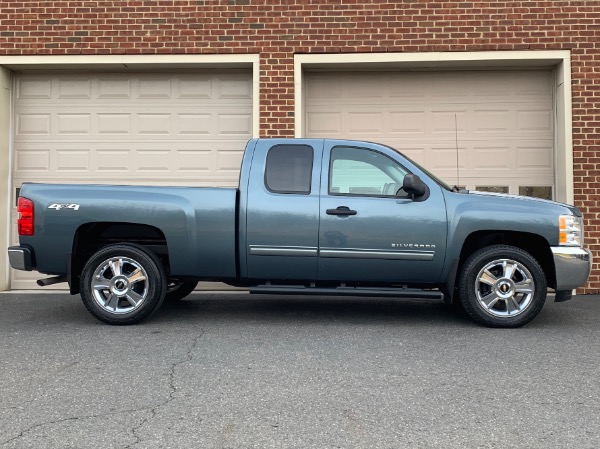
(25, 221)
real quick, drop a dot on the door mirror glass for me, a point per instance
(414, 186)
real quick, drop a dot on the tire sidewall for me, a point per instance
(467, 285)
(157, 284)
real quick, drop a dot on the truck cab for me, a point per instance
(335, 210)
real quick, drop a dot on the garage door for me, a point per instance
(501, 122)
(184, 129)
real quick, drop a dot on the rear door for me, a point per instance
(282, 218)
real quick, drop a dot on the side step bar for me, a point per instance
(346, 291)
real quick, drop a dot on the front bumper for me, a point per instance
(573, 266)
(20, 258)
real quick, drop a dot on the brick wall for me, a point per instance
(279, 28)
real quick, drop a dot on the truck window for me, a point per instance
(289, 169)
(360, 171)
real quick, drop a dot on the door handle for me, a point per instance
(342, 210)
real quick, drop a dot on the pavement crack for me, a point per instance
(172, 387)
(72, 418)
(153, 410)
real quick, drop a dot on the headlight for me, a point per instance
(570, 230)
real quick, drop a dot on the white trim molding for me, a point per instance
(559, 60)
(5, 175)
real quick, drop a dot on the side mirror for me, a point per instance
(413, 185)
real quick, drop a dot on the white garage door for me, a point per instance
(503, 122)
(187, 128)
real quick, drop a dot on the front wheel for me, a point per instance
(123, 284)
(502, 286)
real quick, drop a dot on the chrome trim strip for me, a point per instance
(298, 251)
(570, 251)
(354, 253)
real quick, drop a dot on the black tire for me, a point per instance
(177, 290)
(123, 284)
(502, 286)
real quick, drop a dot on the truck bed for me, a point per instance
(197, 223)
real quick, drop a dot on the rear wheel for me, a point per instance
(178, 289)
(123, 284)
(502, 286)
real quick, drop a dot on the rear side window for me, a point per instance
(289, 169)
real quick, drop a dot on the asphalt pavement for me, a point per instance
(230, 370)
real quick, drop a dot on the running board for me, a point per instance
(346, 291)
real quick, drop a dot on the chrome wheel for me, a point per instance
(504, 288)
(119, 285)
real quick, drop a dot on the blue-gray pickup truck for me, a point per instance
(310, 216)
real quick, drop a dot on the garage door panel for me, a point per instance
(34, 88)
(410, 87)
(73, 88)
(111, 88)
(193, 124)
(497, 158)
(445, 121)
(323, 87)
(233, 87)
(113, 123)
(533, 121)
(408, 122)
(365, 122)
(535, 158)
(495, 121)
(37, 124)
(152, 124)
(234, 124)
(33, 160)
(69, 161)
(69, 124)
(154, 88)
(324, 124)
(229, 162)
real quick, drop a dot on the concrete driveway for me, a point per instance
(228, 370)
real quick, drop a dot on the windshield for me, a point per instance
(441, 183)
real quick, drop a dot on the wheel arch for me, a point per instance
(90, 237)
(534, 244)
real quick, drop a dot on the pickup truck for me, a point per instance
(310, 216)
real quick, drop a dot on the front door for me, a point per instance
(369, 229)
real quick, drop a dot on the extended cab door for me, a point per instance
(371, 232)
(281, 204)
